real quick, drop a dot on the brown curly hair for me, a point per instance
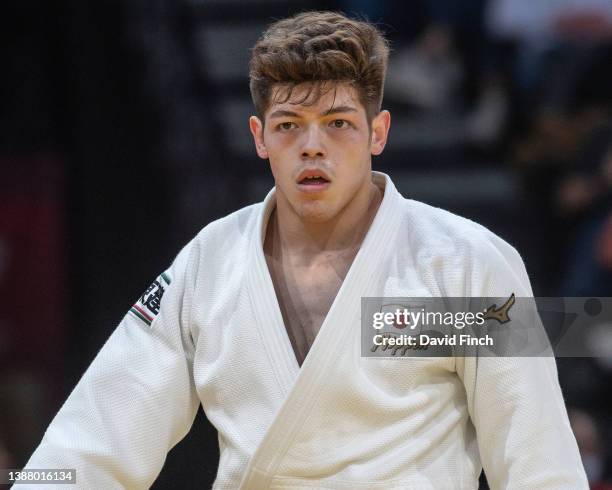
(320, 49)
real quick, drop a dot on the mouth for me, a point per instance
(313, 180)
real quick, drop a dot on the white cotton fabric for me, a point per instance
(340, 421)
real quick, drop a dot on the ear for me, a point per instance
(256, 127)
(380, 130)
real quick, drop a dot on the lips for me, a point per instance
(313, 181)
(313, 177)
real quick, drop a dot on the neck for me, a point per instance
(345, 232)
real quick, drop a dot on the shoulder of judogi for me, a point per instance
(443, 224)
(169, 283)
(233, 228)
(443, 227)
(198, 259)
(458, 240)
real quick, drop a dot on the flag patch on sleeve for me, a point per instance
(147, 306)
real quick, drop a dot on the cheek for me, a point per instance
(276, 167)
(355, 142)
(278, 139)
(353, 149)
(281, 168)
(278, 146)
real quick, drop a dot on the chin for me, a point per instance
(315, 212)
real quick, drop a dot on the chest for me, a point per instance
(308, 294)
(305, 294)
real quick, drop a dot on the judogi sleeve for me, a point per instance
(515, 403)
(136, 400)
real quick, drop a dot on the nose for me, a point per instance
(313, 145)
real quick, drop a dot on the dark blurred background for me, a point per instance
(123, 131)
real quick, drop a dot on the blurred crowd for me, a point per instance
(114, 151)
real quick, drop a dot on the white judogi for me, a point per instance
(340, 421)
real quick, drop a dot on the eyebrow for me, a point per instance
(335, 110)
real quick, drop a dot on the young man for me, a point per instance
(258, 318)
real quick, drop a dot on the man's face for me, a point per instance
(320, 154)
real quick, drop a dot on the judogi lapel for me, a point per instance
(302, 386)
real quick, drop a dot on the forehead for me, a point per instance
(332, 95)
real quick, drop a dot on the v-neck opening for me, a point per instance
(304, 318)
(274, 316)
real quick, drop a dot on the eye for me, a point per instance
(340, 124)
(286, 126)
